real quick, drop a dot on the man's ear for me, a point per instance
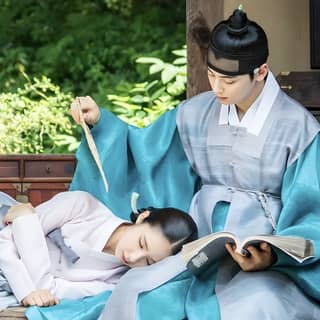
(142, 216)
(262, 72)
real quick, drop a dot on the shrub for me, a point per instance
(144, 102)
(35, 119)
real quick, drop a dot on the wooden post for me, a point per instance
(202, 16)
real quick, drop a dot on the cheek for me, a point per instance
(239, 93)
(210, 81)
(124, 243)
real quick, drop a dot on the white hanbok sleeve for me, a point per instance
(12, 267)
(34, 254)
(25, 258)
(68, 207)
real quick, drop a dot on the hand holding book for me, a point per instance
(253, 258)
(198, 255)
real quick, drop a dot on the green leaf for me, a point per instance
(156, 68)
(181, 52)
(149, 60)
(140, 114)
(139, 99)
(179, 61)
(151, 85)
(135, 90)
(168, 73)
(158, 93)
(118, 98)
(125, 105)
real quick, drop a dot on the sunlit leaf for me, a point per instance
(168, 73)
(149, 60)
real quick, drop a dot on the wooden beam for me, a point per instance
(202, 16)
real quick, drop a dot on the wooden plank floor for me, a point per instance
(14, 313)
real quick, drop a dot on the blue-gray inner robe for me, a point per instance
(241, 174)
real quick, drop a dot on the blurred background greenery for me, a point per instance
(129, 55)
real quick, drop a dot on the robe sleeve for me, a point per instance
(300, 216)
(12, 267)
(150, 161)
(26, 269)
(68, 207)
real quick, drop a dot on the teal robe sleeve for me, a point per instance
(88, 308)
(300, 216)
(149, 161)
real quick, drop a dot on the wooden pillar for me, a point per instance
(202, 16)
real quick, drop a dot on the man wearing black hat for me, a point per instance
(256, 152)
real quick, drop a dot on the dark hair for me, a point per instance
(176, 225)
(240, 40)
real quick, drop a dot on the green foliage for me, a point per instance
(87, 46)
(35, 119)
(146, 101)
(122, 6)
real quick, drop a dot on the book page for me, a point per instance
(298, 248)
(191, 249)
(92, 147)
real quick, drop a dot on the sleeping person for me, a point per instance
(98, 246)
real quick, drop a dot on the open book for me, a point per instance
(201, 253)
(92, 147)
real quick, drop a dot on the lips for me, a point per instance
(124, 259)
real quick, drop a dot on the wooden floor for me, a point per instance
(14, 313)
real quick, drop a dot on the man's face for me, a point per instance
(231, 89)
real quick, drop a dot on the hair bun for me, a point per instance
(238, 23)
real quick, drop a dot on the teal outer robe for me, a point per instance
(158, 145)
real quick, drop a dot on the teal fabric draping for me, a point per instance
(88, 308)
(300, 216)
(167, 302)
(150, 161)
(162, 176)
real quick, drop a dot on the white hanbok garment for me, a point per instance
(31, 261)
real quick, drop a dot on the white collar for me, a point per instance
(254, 119)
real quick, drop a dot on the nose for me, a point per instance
(136, 257)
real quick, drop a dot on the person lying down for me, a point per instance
(98, 246)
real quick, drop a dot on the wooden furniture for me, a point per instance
(315, 34)
(304, 87)
(35, 178)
